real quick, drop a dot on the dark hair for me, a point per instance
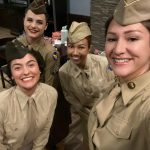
(37, 56)
(107, 24)
(146, 24)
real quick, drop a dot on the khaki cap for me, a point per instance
(38, 7)
(132, 11)
(15, 50)
(78, 31)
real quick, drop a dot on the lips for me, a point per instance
(27, 78)
(121, 60)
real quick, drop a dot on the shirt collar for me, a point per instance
(23, 98)
(37, 43)
(76, 71)
(132, 88)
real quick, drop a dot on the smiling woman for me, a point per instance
(26, 109)
(122, 118)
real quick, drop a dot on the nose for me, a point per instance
(33, 24)
(119, 47)
(75, 51)
(25, 70)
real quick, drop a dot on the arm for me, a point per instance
(70, 97)
(2, 145)
(40, 142)
(52, 62)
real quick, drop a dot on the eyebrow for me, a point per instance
(19, 64)
(126, 32)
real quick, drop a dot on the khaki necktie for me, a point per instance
(85, 83)
(31, 117)
(104, 108)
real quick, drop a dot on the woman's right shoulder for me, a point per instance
(6, 95)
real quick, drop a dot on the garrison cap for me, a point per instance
(15, 50)
(38, 7)
(78, 31)
(132, 11)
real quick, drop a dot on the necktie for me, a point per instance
(31, 117)
(104, 108)
(85, 83)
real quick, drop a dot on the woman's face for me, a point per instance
(34, 25)
(78, 52)
(26, 73)
(128, 49)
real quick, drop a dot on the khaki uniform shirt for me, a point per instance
(83, 87)
(50, 55)
(127, 127)
(13, 117)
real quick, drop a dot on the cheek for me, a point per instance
(15, 75)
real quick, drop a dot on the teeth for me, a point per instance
(27, 79)
(75, 58)
(121, 60)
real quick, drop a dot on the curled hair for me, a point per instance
(37, 56)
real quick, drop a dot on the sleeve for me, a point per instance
(70, 97)
(2, 145)
(40, 142)
(52, 63)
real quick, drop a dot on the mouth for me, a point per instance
(75, 58)
(33, 31)
(121, 60)
(27, 78)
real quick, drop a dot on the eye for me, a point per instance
(132, 39)
(109, 39)
(70, 46)
(31, 65)
(16, 68)
(29, 19)
(81, 47)
(40, 22)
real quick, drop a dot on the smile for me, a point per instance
(121, 60)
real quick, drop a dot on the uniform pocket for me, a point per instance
(119, 127)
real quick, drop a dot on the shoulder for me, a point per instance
(48, 89)
(98, 58)
(6, 96)
(65, 67)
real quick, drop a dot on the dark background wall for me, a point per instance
(100, 11)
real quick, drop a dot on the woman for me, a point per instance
(121, 120)
(27, 109)
(35, 23)
(82, 75)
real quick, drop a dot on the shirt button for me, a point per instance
(131, 85)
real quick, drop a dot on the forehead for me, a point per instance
(27, 58)
(115, 27)
(30, 14)
(83, 41)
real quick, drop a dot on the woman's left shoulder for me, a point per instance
(47, 88)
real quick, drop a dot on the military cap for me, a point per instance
(15, 50)
(132, 11)
(38, 7)
(78, 31)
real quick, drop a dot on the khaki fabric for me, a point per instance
(78, 31)
(50, 55)
(128, 124)
(132, 11)
(38, 7)
(14, 121)
(83, 93)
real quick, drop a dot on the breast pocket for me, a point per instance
(119, 128)
(14, 130)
